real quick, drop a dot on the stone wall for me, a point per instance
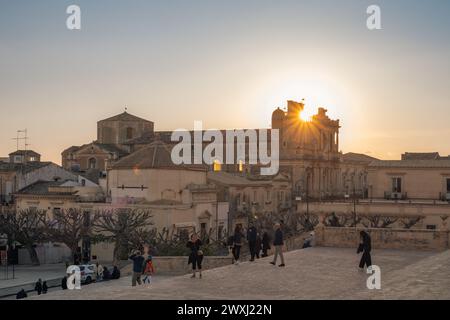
(179, 265)
(407, 239)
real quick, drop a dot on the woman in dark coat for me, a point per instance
(237, 243)
(196, 256)
(265, 244)
(365, 247)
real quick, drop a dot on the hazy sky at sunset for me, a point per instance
(228, 63)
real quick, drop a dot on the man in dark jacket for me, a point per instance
(138, 267)
(278, 244)
(251, 238)
(365, 247)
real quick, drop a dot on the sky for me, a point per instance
(229, 64)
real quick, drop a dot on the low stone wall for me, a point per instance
(408, 239)
(179, 265)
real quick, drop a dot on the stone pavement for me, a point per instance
(26, 276)
(317, 273)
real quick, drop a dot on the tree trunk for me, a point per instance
(33, 255)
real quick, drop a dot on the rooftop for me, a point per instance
(22, 167)
(440, 164)
(155, 155)
(125, 116)
(24, 152)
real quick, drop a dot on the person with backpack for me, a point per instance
(149, 270)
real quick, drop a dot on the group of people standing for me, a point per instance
(256, 243)
(143, 269)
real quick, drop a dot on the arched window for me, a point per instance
(129, 133)
(92, 163)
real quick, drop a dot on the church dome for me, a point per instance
(278, 114)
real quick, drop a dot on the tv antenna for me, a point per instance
(21, 135)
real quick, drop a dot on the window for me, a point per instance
(32, 159)
(397, 185)
(217, 166)
(448, 185)
(241, 166)
(129, 133)
(92, 163)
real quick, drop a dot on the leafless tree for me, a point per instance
(70, 227)
(378, 221)
(126, 228)
(26, 227)
(409, 222)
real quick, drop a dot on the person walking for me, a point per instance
(237, 243)
(265, 244)
(44, 287)
(196, 256)
(365, 247)
(38, 287)
(278, 244)
(138, 264)
(251, 238)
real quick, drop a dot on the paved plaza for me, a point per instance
(317, 273)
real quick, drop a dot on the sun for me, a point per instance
(307, 114)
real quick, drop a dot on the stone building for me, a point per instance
(24, 156)
(16, 176)
(179, 196)
(112, 135)
(409, 179)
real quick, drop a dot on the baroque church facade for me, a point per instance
(309, 152)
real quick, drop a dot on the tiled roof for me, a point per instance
(22, 167)
(444, 164)
(24, 152)
(421, 156)
(229, 179)
(155, 155)
(360, 157)
(125, 116)
(42, 188)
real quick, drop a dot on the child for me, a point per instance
(149, 270)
